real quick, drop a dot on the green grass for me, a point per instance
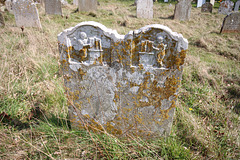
(206, 123)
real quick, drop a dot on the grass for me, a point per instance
(32, 99)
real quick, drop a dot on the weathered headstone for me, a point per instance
(26, 13)
(145, 9)
(212, 2)
(122, 84)
(231, 23)
(236, 8)
(53, 7)
(183, 10)
(87, 5)
(166, 1)
(75, 2)
(2, 22)
(207, 7)
(225, 7)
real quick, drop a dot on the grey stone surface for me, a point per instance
(145, 9)
(231, 23)
(26, 13)
(87, 5)
(53, 7)
(2, 22)
(207, 7)
(183, 10)
(124, 84)
(236, 8)
(225, 7)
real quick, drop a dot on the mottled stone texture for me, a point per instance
(26, 13)
(236, 8)
(183, 10)
(53, 7)
(122, 84)
(9, 4)
(2, 22)
(225, 7)
(207, 7)
(87, 5)
(145, 9)
(231, 23)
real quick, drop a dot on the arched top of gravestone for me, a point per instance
(182, 42)
(90, 28)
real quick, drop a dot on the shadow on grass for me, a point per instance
(169, 17)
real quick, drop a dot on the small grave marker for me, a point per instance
(53, 7)
(87, 5)
(225, 7)
(26, 13)
(231, 23)
(145, 9)
(183, 10)
(122, 84)
(207, 7)
(236, 8)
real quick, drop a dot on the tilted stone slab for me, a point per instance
(2, 22)
(53, 7)
(75, 2)
(183, 10)
(87, 5)
(122, 84)
(200, 3)
(231, 23)
(225, 7)
(236, 7)
(26, 13)
(207, 7)
(145, 9)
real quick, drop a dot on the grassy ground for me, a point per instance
(33, 104)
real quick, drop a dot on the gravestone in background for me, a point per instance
(236, 8)
(145, 9)
(124, 84)
(207, 7)
(165, 1)
(87, 5)
(183, 10)
(200, 3)
(75, 2)
(26, 13)
(212, 2)
(53, 7)
(225, 7)
(2, 22)
(231, 23)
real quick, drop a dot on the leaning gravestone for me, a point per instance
(26, 13)
(122, 84)
(2, 22)
(145, 9)
(225, 7)
(231, 23)
(53, 7)
(183, 10)
(207, 7)
(87, 5)
(236, 8)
